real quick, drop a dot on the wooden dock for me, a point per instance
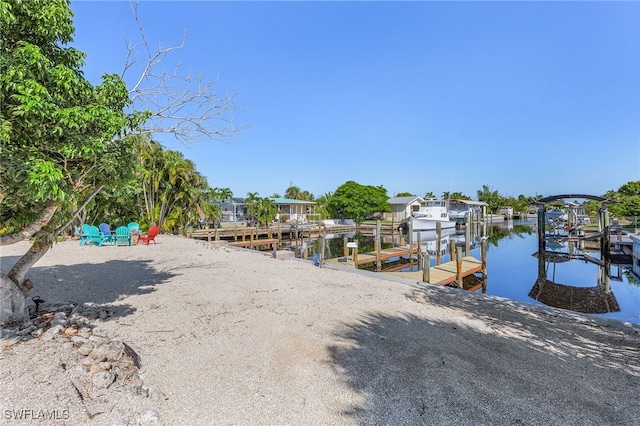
(251, 243)
(442, 274)
(290, 231)
(445, 273)
(383, 255)
(377, 258)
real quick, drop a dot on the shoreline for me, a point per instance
(227, 335)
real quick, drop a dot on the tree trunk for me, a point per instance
(14, 287)
(30, 230)
(12, 301)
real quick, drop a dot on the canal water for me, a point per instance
(515, 272)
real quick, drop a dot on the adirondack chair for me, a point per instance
(84, 238)
(122, 235)
(134, 228)
(93, 233)
(149, 236)
(105, 229)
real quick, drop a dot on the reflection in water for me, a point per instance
(572, 275)
(590, 300)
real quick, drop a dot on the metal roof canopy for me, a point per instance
(562, 197)
(470, 202)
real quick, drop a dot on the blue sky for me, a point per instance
(524, 97)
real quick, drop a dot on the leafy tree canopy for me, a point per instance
(627, 199)
(295, 193)
(457, 196)
(358, 202)
(491, 197)
(58, 132)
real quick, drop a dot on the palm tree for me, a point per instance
(321, 206)
(292, 192)
(223, 194)
(251, 203)
(295, 193)
(266, 210)
(172, 187)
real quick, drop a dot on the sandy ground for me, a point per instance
(228, 336)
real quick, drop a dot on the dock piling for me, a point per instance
(483, 254)
(426, 268)
(459, 266)
(438, 241)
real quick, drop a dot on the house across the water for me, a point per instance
(402, 208)
(290, 210)
(234, 211)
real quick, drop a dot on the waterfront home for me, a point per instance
(403, 208)
(232, 210)
(289, 210)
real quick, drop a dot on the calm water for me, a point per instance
(513, 271)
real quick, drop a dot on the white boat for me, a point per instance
(556, 215)
(431, 213)
(459, 215)
(429, 240)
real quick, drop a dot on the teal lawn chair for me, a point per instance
(122, 235)
(84, 238)
(134, 228)
(95, 236)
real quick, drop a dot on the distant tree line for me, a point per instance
(166, 189)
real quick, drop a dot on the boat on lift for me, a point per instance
(430, 214)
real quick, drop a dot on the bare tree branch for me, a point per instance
(77, 212)
(182, 104)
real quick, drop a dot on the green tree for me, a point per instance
(265, 210)
(61, 137)
(64, 140)
(492, 198)
(630, 189)
(321, 206)
(295, 193)
(209, 208)
(358, 202)
(404, 194)
(457, 196)
(627, 200)
(223, 194)
(173, 189)
(251, 203)
(521, 204)
(429, 196)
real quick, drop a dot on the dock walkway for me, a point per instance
(445, 273)
(384, 255)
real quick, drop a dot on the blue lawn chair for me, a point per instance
(105, 229)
